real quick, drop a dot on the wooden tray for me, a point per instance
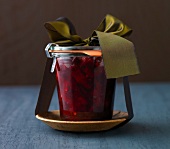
(53, 120)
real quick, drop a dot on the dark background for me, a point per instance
(23, 36)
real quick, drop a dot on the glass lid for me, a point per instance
(54, 50)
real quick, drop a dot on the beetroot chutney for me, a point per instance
(84, 92)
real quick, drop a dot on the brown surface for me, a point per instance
(23, 37)
(53, 120)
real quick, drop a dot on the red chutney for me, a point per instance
(84, 92)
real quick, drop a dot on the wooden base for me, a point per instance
(53, 120)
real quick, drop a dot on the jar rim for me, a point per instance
(54, 50)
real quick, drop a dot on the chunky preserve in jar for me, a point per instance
(84, 92)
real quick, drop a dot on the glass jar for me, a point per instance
(84, 92)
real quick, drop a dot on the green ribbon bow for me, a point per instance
(117, 52)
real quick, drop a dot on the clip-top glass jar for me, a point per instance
(84, 92)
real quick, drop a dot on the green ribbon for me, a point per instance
(117, 52)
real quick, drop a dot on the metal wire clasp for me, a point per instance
(50, 46)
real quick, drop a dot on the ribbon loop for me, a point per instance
(63, 32)
(113, 25)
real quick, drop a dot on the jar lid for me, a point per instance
(54, 50)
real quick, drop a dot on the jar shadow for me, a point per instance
(131, 129)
